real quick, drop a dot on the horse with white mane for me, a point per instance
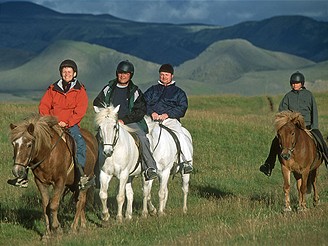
(121, 160)
(168, 159)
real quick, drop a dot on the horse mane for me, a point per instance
(42, 134)
(108, 114)
(282, 118)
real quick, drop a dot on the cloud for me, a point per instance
(214, 12)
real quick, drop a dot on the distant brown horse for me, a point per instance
(41, 145)
(298, 155)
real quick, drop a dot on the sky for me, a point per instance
(213, 12)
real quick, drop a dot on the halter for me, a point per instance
(38, 163)
(290, 150)
(116, 136)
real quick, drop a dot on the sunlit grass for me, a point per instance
(230, 202)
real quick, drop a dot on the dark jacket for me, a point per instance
(303, 102)
(137, 103)
(170, 99)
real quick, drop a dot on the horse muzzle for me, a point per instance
(108, 152)
(19, 171)
(286, 156)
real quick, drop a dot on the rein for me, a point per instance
(52, 148)
(160, 133)
(116, 136)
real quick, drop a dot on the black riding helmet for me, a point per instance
(297, 77)
(68, 63)
(126, 67)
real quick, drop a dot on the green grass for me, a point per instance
(230, 202)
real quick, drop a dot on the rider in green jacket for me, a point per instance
(301, 100)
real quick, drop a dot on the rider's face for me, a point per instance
(165, 78)
(68, 74)
(297, 86)
(123, 77)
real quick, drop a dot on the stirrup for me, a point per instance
(150, 173)
(187, 168)
(86, 182)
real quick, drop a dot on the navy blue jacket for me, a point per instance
(170, 99)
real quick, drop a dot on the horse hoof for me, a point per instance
(287, 210)
(153, 212)
(144, 215)
(161, 214)
(105, 217)
(119, 219)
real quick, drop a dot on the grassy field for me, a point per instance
(230, 201)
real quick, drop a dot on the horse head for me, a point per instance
(107, 122)
(287, 124)
(23, 143)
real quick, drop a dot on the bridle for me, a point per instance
(116, 136)
(39, 162)
(289, 150)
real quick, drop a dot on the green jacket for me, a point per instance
(303, 102)
(137, 103)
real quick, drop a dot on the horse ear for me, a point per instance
(30, 129)
(116, 109)
(12, 126)
(96, 109)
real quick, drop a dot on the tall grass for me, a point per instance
(230, 202)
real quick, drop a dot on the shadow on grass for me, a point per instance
(210, 192)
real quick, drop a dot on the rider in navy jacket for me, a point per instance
(168, 99)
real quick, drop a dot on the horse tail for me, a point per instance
(310, 181)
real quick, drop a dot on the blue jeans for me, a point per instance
(81, 147)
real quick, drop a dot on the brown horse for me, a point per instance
(41, 145)
(298, 155)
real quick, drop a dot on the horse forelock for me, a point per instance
(42, 133)
(106, 115)
(284, 117)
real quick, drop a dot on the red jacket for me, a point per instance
(68, 107)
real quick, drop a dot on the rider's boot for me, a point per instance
(85, 181)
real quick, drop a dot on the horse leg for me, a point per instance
(54, 205)
(45, 203)
(163, 191)
(147, 199)
(185, 189)
(103, 195)
(303, 189)
(313, 177)
(80, 211)
(121, 196)
(286, 187)
(129, 198)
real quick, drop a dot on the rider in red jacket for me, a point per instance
(67, 100)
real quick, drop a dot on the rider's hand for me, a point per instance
(163, 117)
(155, 116)
(62, 124)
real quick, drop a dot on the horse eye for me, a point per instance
(29, 145)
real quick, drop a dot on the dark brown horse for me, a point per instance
(298, 155)
(41, 145)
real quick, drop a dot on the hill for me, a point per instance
(230, 66)
(157, 43)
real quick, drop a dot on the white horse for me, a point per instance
(167, 159)
(122, 161)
